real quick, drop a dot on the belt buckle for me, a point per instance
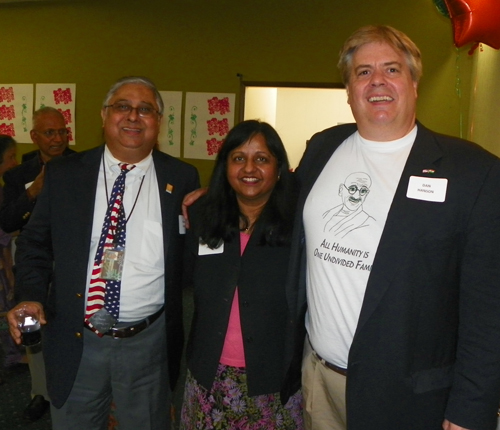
(123, 332)
(119, 333)
(113, 332)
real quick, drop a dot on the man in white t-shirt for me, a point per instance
(402, 288)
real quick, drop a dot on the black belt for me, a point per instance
(331, 366)
(132, 330)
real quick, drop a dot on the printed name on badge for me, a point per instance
(428, 189)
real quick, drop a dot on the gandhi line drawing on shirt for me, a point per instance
(350, 216)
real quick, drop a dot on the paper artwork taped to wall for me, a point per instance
(16, 106)
(169, 140)
(61, 97)
(207, 120)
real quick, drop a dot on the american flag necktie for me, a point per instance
(106, 293)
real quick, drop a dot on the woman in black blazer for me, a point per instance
(237, 260)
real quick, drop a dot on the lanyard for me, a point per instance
(107, 195)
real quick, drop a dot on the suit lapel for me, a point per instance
(166, 188)
(401, 227)
(76, 204)
(311, 166)
(322, 153)
(86, 183)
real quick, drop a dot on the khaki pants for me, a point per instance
(324, 394)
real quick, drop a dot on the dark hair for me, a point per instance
(6, 142)
(220, 211)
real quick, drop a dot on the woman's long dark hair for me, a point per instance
(220, 211)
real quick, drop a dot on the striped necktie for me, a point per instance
(104, 294)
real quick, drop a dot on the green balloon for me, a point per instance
(442, 8)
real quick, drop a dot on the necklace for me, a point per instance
(248, 229)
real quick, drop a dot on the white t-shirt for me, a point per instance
(344, 216)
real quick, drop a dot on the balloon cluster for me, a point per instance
(474, 21)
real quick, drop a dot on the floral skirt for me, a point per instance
(228, 406)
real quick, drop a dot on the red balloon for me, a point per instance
(476, 21)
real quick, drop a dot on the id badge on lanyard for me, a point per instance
(112, 262)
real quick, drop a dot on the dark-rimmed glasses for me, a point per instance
(126, 109)
(363, 191)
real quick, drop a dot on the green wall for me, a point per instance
(200, 45)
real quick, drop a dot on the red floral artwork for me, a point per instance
(7, 112)
(66, 114)
(214, 126)
(213, 146)
(62, 96)
(223, 127)
(7, 129)
(216, 105)
(6, 94)
(70, 134)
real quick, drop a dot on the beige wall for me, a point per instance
(484, 121)
(297, 113)
(200, 45)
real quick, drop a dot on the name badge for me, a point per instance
(203, 249)
(428, 189)
(182, 225)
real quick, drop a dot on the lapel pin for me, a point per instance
(169, 188)
(428, 171)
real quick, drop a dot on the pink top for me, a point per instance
(233, 353)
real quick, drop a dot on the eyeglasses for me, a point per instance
(363, 191)
(126, 109)
(51, 133)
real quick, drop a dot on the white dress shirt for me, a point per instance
(142, 285)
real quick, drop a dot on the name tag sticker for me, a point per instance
(203, 249)
(182, 225)
(428, 189)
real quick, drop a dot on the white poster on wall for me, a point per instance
(61, 97)
(169, 140)
(16, 107)
(207, 120)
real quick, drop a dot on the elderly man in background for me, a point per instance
(110, 334)
(24, 183)
(403, 319)
(22, 187)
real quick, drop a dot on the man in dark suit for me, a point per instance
(24, 183)
(22, 186)
(130, 356)
(403, 315)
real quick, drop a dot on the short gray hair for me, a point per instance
(45, 110)
(140, 80)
